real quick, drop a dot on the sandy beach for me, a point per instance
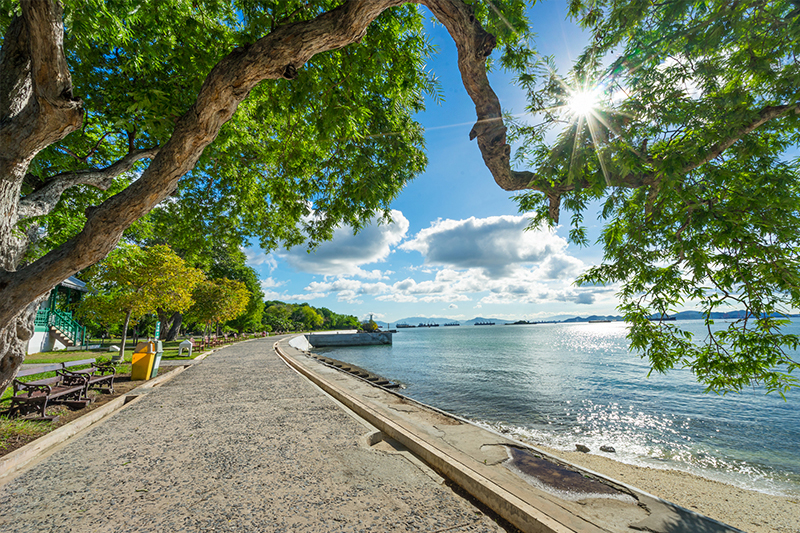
(750, 511)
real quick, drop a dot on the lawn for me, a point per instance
(60, 356)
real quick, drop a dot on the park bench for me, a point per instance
(34, 396)
(101, 376)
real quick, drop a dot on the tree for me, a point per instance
(307, 317)
(161, 81)
(231, 264)
(369, 326)
(218, 300)
(133, 281)
(276, 316)
(101, 317)
(693, 110)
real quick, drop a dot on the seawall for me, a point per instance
(320, 340)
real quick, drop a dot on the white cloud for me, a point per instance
(561, 267)
(346, 253)
(495, 245)
(351, 285)
(452, 306)
(256, 257)
(270, 283)
(292, 298)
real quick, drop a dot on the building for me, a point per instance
(55, 328)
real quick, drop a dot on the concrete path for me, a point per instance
(240, 442)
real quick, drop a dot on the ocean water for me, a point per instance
(562, 384)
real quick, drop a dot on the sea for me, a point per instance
(559, 385)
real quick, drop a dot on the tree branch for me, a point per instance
(277, 55)
(764, 116)
(43, 200)
(474, 44)
(40, 109)
(633, 181)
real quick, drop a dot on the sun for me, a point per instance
(582, 103)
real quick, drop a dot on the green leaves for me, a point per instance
(138, 280)
(690, 151)
(218, 300)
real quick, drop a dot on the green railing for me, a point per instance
(63, 321)
(42, 315)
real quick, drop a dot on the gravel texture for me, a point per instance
(238, 443)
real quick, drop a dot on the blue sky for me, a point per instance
(457, 247)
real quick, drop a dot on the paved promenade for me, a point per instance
(240, 442)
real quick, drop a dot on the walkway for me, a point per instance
(240, 442)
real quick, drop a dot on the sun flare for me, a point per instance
(582, 103)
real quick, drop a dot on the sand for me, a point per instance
(750, 511)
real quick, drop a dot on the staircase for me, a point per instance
(62, 326)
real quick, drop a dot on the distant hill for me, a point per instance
(594, 317)
(497, 321)
(416, 320)
(683, 315)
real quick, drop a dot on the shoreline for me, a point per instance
(748, 510)
(751, 511)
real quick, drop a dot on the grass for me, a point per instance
(14, 432)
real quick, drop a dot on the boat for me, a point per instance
(431, 325)
(453, 324)
(400, 326)
(484, 323)
(598, 321)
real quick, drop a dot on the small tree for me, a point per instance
(134, 281)
(308, 317)
(369, 326)
(218, 300)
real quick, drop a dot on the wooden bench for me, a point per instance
(101, 377)
(34, 396)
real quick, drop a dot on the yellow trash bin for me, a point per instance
(142, 361)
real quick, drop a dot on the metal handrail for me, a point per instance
(63, 321)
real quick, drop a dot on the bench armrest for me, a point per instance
(72, 378)
(30, 388)
(106, 368)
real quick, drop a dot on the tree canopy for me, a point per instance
(281, 316)
(133, 281)
(109, 109)
(217, 301)
(686, 138)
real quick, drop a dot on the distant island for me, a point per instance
(485, 321)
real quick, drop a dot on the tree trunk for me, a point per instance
(177, 320)
(14, 339)
(164, 318)
(124, 338)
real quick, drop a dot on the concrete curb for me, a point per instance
(19, 459)
(519, 513)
